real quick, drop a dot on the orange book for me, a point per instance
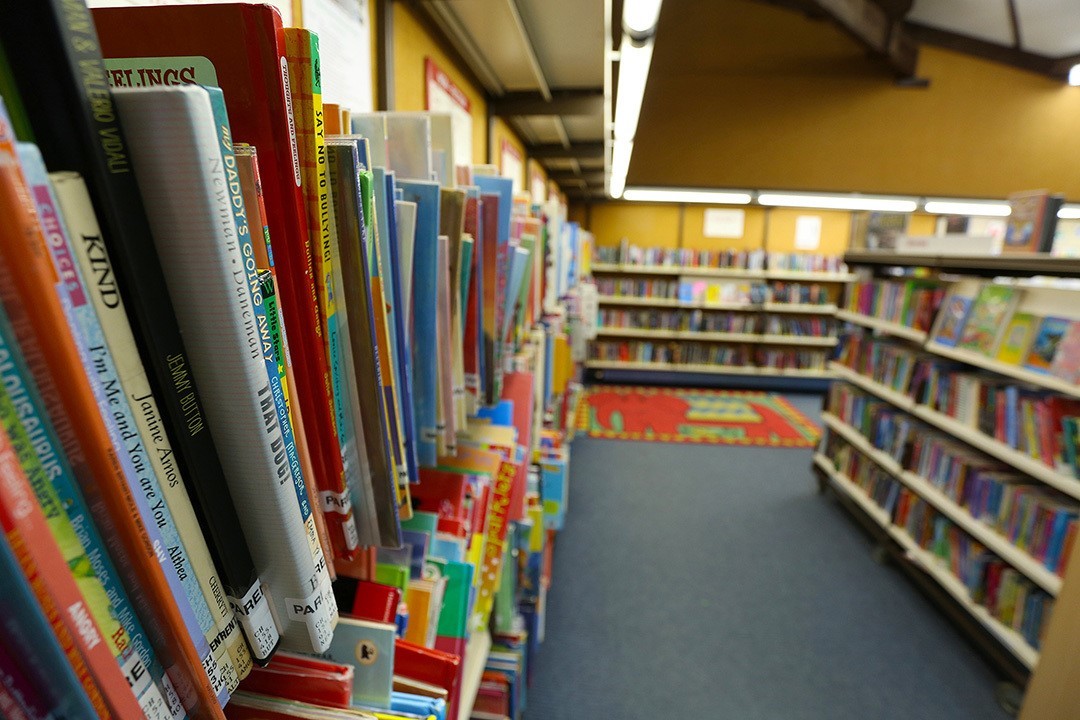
(27, 290)
(24, 525)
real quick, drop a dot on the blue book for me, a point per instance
(418, 541)
(501, 413)
(369, 648)
(29, 636)
(519, 262)
(478, 291)
(425, 351)
(420, 705)
(399, 337)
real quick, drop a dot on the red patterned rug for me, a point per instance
(680, 415)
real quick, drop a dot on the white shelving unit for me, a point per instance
(705, 335)
(476, 655)
(1028, 655)
(706, 369)
(778, 308)
(884, 326)
(732, 273)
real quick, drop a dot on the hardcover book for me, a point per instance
(1044, 347)
(1066, 363)
(177, 158)
(369, 648)
(988, 318)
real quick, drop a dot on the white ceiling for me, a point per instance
(1047, 27)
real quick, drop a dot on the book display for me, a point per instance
(953, 428)
(285, 421)
(732, 312)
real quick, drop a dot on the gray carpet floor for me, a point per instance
(713, 582)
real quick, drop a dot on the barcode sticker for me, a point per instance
(317, 611)
(352, 535)
(257, 621)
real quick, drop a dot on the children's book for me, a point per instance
(989, 315)
(1045, 346)
(1017, 338)
(953, 317)
(1066, 364)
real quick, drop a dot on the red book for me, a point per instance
(453, 646)
(1066, 549)
(376, 602)
(245, 44)
(303, 679)
(518, 387)
(427, 665)
(442, 492)
(489, 221)
(1060, 408)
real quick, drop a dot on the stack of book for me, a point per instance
(910, 303)
(269, 391)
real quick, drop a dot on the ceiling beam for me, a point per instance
(1004, 54)
(1014, 24)
(872, 26)
(562, 102)
(556, 150)
(590, 178)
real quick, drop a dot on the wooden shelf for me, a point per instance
(731, 273)
(476, 655)
(948, 507)
(1021, 264)
(780, 308)
(708, 336)
(886, 326)
(1013, 640)
(707, 369)
(1014, 371)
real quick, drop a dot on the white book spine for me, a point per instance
(178, 164)
(93, 260)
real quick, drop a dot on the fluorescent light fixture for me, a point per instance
(640, 16)
(1074, 72)
(620, 164)
(634, 61)
(977, 208)
(678, 195)
(1069, 212)
(839, 202)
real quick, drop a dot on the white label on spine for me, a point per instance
(336, 502)
(317, 612)
(213, 671)
(172, 699)
(138, 677)
(352, 535)
(429, 434)
(257, 621)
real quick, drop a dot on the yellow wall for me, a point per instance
(981, 129)
(694, 227)
(835, 230)
(412, 44)
(644, 224)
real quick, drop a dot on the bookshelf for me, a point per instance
(880, 376)
(774, 314)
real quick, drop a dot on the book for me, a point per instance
(177, 159)
(357, 297)
(304, 679)
(105, 475)
(1044, 346)
(1066, 363)
(369, 648)
(84, 246)
(1031, 222)
(989, 316)
(1017, 338)
(86, 328)
(243, 45)
(28, 634)
(950, 323)
(63, 79)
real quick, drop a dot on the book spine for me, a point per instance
(87, 257)
(87, 135)
(302, 52)
(315, 621)
(255, 206)
(177, 155)
(19, 698)
(30, 434)
(54, 587)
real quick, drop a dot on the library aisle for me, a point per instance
(712, 581)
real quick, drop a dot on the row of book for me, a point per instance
(706, 354)
(264, 365)
(912, 303)
(627, 254)
(800, 326)
(989, 323)
(716, 292)
(1008, 595)
(1037, 519)
(691, 320)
